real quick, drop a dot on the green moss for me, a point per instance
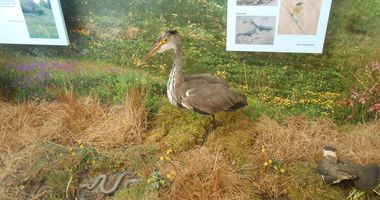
(57, 181)
(184, 137)
(140, 191)
(178, 129)
(307, 184)
(170, 116)
(235, 133)
(140, 156)
(156, 135)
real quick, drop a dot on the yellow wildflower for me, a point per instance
(282, 170)
(149, 180)
(81, 146)
(168, 176)
(270, 161)
(161, 157)
(93, 162)
(169, 151)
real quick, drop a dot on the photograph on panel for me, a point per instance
(299, 17)
(39, 18)
(255, 29)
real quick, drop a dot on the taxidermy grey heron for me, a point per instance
(201, 93)
(333, 171)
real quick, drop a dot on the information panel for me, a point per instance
(32, 22)
(277, 25)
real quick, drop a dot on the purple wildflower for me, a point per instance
(362, 100)
(355, 94)
(373, 66)
(374, 108)
(42, 75)
(25, 68)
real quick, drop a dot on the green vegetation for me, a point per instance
(278, 84)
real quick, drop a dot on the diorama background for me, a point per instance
(71, 113)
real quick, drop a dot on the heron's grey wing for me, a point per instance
(368, 177)
(204, 78)
(333, 172)
(212, 98)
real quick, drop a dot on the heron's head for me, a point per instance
(329, 151)
(168, 40)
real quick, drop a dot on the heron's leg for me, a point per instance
(213, 121)
(213, 127)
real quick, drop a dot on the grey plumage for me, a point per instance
(208, 95)
(202, 93)
(334, 171)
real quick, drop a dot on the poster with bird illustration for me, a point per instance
(297, 26)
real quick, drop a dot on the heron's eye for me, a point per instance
(166, 40)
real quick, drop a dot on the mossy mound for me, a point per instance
(178, 129)
(181, 130)
(235, 133)
(141, 191)
(184, 137)
(307, 184)
(57, 180)
(136, 158)
(49, 171)
(140, 156)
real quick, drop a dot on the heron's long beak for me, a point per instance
(153, 51)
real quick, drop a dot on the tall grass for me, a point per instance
(205, 174)
(40, 139)
(43, 144)
(123, 125)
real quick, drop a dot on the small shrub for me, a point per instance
(364, 103)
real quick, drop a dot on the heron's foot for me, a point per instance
(213, 125)
(208, 131)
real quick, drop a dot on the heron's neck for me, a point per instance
(177, 69)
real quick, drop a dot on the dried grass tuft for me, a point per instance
(300, 141)
(26, 126)
(19, 125)
(362, 144)
(121, 125)
(204, 174)
(70, 117)
(297, 140)
(79, 113)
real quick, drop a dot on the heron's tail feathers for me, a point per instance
(240, 100)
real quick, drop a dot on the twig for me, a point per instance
(245, 77)
(68, 186)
